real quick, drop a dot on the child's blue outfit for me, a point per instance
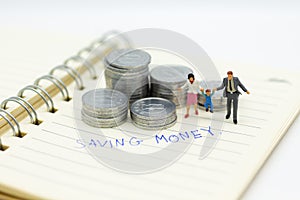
(208, 101)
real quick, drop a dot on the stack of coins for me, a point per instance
(104, 108)
(127, 71)
(153, 113)
(218, 100)
(170, 82)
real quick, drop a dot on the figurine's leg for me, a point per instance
(196, 110)
(235, 106)
(211, 107)
(206, 106)
(188, 109)
(229, 99)
(188, 105)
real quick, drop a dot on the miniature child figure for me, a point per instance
(192, 94)
(208, 102)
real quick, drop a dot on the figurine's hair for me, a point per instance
(191, 75)
(208, 90)
(229, 73)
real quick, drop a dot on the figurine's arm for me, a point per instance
(202, 92)
(241, 85)
(222, 86)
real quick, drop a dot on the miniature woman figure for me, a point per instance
(192, 94)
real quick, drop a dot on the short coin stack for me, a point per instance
(104, 108)
(153, 113)
(170, 82)
(217, 99)
(127, 71)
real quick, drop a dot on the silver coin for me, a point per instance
(154, 122)
(170, 82)
(128, 74)
(101, 99)
(103, 123)
(137, 89)
(143, 126)
(185, 71)
(179, 102)
(153, 107)
(169, 97)
(128, 58)
(127, 70)
(151, 119)
(170, 74)
(126, 83)
(104, 120)
(168, 92)
(105, 114)
(104, 108)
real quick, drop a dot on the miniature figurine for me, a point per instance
(232, 93)
(192, 94)
(208, 102)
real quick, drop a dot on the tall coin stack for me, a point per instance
(170, 82)
(127, 70)
(153, 113)
(104, 108)
(217, 99)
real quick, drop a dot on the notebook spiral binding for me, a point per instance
(81, 58)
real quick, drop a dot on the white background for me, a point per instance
(264, 33)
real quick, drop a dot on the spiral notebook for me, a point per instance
(47, 160)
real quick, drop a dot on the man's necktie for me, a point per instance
(230, 85)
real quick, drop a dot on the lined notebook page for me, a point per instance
(28, 54)
(51, 164)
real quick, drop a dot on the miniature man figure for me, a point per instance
(232, 93)
(192, 94)
(208, 102)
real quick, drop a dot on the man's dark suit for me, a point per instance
(232, 97)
